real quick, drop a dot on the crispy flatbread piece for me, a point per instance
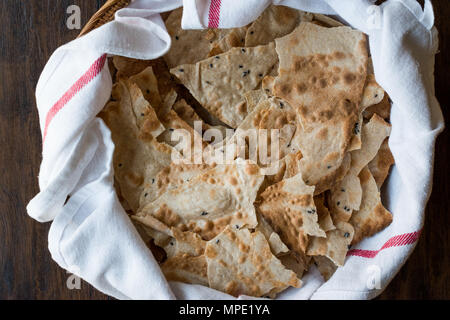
(345, 196)
(170, 178)
(220, 82)
(335, 245)
(326, 267)
(184, 243)
(322, 74)
(221, 196)
(383, 109)
(380, 165)
(137, 155)
(372, 216)
(288, 207)
(241, 263)
(187, 269)
(274, 22)
(204, 41)
(276, 245)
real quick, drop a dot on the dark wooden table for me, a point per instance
(30, 32)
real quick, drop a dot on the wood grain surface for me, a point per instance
(30, 32)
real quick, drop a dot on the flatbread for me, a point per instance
(220, 82)
(127, 67)
(277, 246)
(147, 121)
(137, 154)
(326, 267)
(146, 81)
(373, 134)
(241, 263)
(252, 98)
(204, 41)
(372, 217)
(324, 216)
(322, 74)
(206, 204)
(335, 245)
(274, 22)
(188, 114)
(380, 165)
(288, 207)
(181, 136)
(234, 38)
(373, 94)
(345, 196)
(292, 263)
(184, 243)
(187, 269)
(257, 128)
(326, 21)
(383, 109)
(170, 178)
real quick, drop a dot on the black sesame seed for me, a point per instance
(148, 91)
(181, 70)
(252, 32)
(153, 180)
(267, 90)
(146, 194)
(120, 165)
(171, 243)
(241, 66)
(237, 226)
(343, 190)
(204, 213)
(142, 114)
(329, 167)
(211, 65)
(346, 234)
(338, 203)
(376, 95)
(243, 50)
(345, 208)
(170, 129)
(217, 241)
(217, 57)
(176, 37)
(349, 246)
(210, 41)
(208, 82)
(260, 74)
(356, 129)
(288, 145)
(281, 105)
(242, 40)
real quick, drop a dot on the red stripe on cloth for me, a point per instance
(214, 14)
(89, 75)
(396, 241)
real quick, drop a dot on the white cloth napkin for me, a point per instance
(91, 234)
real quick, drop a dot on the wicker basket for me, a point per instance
(104, 15)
